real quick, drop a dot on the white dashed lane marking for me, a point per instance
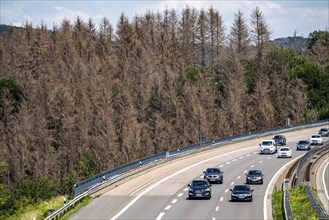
(168, 207)
(160, 216)
(180, 194)
(174, 201)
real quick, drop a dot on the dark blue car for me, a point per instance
(199, 188)
(241, 193)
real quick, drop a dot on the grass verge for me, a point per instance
(41, 210)
(277, 205)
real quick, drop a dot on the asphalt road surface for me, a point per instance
(161, 192)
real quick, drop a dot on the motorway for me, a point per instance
(161, 192)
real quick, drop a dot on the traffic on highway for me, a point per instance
(234, 181)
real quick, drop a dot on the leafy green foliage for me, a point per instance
(277, 205)
(88, 164)
(14, 88)
(66, 183)
(317, 82)
(192, 74)
(250, 75)
(314, 37)
(24, 193)
(300, 204)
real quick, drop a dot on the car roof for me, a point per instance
(241, 187)
(304, 140)
(200, 180)
(254, 171)
(213, 168)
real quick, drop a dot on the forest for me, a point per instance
(81, 98)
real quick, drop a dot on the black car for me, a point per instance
(241, 193)
(280, 140)
(199, 188)
(303, 145)
(324, 132)
(213, 175)
(254, 176)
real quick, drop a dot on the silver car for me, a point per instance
(303, 145)
(213, 175)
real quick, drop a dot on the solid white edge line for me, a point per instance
(270, 185)
(324, 182)
(166, 178)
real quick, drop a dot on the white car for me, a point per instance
(268, 147)
(316, 139)
(284, 152)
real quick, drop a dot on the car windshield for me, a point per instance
(267, 143)
(199, 183)
(255, 172)
(303, 142)
(241, 188)
(284, 149)
(315, 136)
(323, 130)
(211, 170)
(277, 137)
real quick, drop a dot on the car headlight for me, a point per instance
(207, 190)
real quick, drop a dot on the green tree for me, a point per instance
(88, 164)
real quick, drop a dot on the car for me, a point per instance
(254, 176)
(268, 146)
(303, 145)
(199, 188)
(213, 175)
(316, 139)
(285, 152)
(241, 193)
(280, 139)
(324, 132)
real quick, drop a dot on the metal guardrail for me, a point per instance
(302, 169)
(286, 201)
(96, 183)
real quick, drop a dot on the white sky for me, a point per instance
(283, 17)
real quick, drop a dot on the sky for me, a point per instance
(285, 18)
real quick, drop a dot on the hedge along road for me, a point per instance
(160, 192)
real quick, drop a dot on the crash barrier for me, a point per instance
(96, 183)
(302, 177)
(286, 200)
